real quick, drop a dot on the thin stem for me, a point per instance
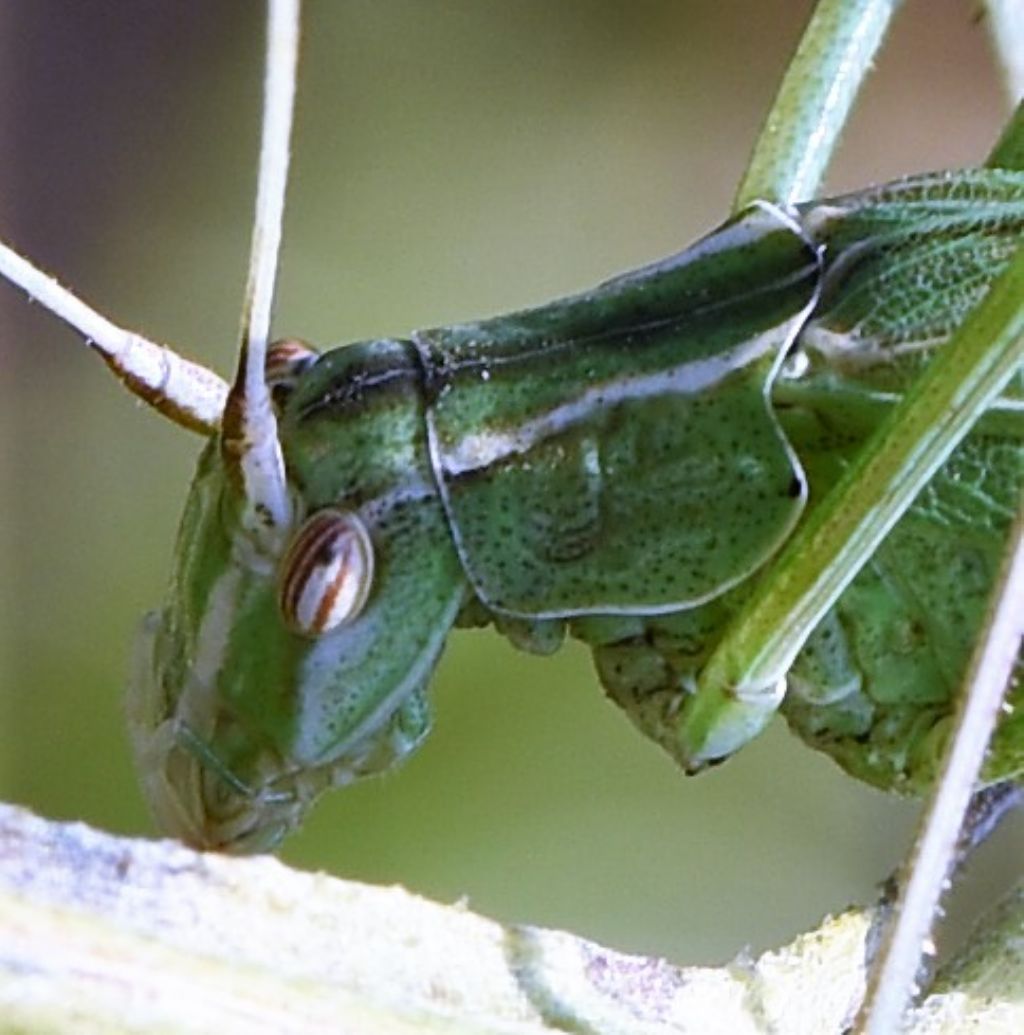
(186, 392)
(893, 979)
(1005, 20)
(814, 100)
(250, 443)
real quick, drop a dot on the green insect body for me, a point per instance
(620, 464)
(873, 687)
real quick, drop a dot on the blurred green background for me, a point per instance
(452, 159)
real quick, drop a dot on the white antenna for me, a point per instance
(189, 393)
(186, 392)
(249, 441)
(895, 974)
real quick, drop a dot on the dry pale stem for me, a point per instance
(104, 934)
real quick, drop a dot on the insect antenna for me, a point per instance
(895, 975)
(187, 392)
(1006, 28)
(249, 441)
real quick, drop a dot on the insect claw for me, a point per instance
(719, 718)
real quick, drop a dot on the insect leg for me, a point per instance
(741, 684)
(814, 101)
(894, 979)
(938, 850)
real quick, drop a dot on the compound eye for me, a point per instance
(326, 573)
(287, 360)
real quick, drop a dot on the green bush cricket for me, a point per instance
(537, 636)
(517, 471)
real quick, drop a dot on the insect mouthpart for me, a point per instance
(195, 798)
(189, 753)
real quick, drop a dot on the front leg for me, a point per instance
(741, 685)
(872, 685)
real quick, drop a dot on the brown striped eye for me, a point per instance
(287, 358)
(326, 573)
